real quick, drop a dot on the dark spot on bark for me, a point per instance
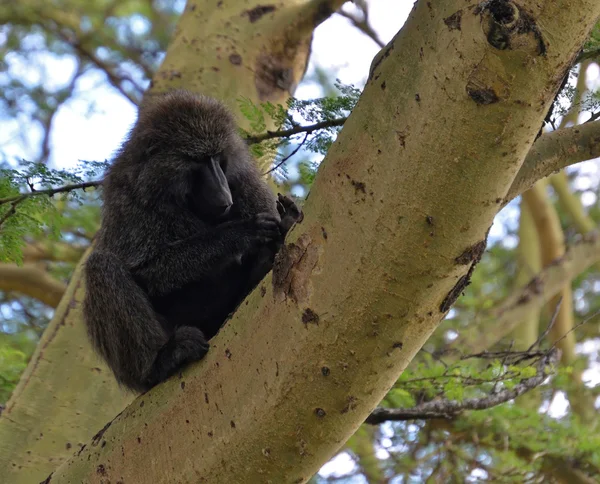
(471, 254)
(266, 452)
(309, 316)
(68, 445)
(182, 384)
(48, 479)
(429, 220)
(139, 440)
(235, 59)
(232, 423)
(257, 12)
(142, 403)
(273, 72)
(325, 371)
(359, 186)
(350, 404)
(398, 344)
(319, 412)
(324, 233)
(216, 69)
(505, 21)
(263, 291)
(378, 59)
(482, 96)
(101, 470)
(228, 354)
(292, 269)
(383, 86)
(453, 22)
(192, 7)
(452, 296)
(103, 443)
(417, 98)
(503, 11)
(323, 13)
(498, 200)
(220, 3)
(210, 434)
(81, 449)
(474, 254)
(401, 138)
(206, 397)
(96, 438)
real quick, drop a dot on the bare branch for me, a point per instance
(363, 24)
(295, 130)
(50, 191)
(451, 408)
(16, 199)
(556, 150)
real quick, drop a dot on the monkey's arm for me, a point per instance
(196, 257)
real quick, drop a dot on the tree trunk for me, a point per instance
(393, 227)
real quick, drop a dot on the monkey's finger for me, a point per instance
(280, 208)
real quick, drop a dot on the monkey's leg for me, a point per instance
(185, 346)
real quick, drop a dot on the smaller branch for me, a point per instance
(50, 191)
(554, 151)
(451, 408)
(288, 156)
(16, 199)
(549, 327)
(593, 54)
(295, 130)
(363, 25)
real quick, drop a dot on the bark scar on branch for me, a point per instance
(293, 267)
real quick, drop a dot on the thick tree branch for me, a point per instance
(555, 150)
(451, 408)
(31, 281)
(52, 251)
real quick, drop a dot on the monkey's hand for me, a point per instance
(249, 235)
(289, 212)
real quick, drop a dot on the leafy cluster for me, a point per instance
(312, 124)
(26, 211)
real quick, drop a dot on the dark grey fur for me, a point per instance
(170, 262)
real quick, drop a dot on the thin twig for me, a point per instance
(295, 130)
(50, 191)
(288, 156)
(549, 327)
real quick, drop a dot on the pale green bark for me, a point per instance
(59, 400)
(393, 223)
(556, 150)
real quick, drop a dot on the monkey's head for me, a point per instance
(186, 148)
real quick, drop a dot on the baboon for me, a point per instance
(189, 228)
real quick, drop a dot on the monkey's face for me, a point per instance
(210, 195)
